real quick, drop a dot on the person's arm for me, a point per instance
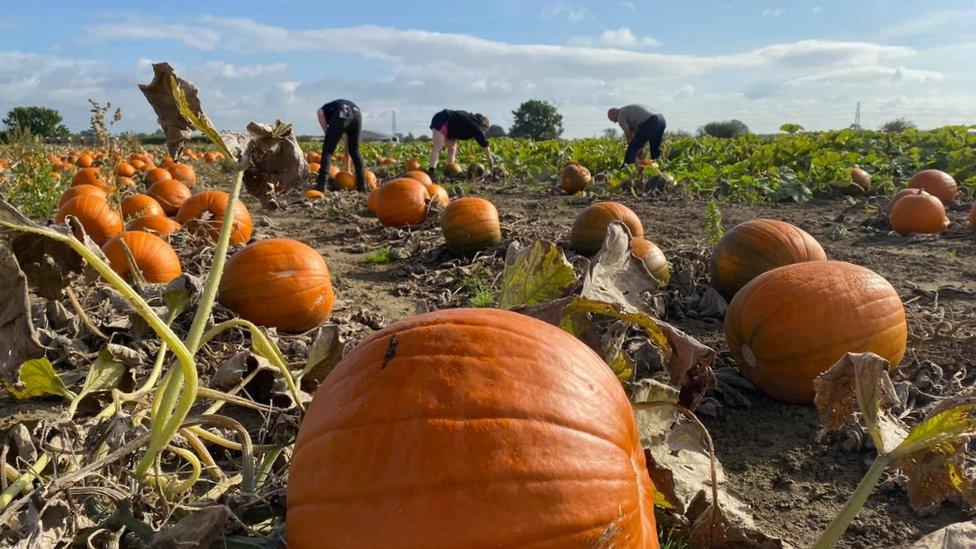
(322, 121)
(491, 159)
(628, 135)
(346, 159)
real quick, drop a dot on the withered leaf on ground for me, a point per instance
(159, 93)
(533, 275)
(199, 530)
(616, 276)
(323, 355)
(46, 524)
(275, 161)
(961, 535)
(713, 528)
(18, 340)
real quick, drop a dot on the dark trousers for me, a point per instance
(337, 128)
(651, 131)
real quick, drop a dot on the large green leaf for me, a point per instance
(535, 275)
(37, 378)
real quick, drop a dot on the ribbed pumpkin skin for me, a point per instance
(479, 428)
(278, 283)
(401, 202)
(590, 226)
(345, 181)
(575, 178)
(937, 183)
(170, 194)
(470, 224)
(792, 323)
(371, 201)
(213, 206)
(100, 221)
(156, 224)
(918, 212)
(756, 246)
(155, 258)
(138, 205)
(419, 176)
(79, 190)
(438, 195)
(899, 195)
(124, 169)
(183, 173)
(89, 176)
(652, 257)
(156, 175)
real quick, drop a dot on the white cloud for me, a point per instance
(561, 10)
(629, 5)
(622, 38)
(140, 28)
(773, 12)
(868, 75)
(683, 93)
(933, 23)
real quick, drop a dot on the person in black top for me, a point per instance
(449, 127)
(341, 118)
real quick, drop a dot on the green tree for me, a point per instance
(724, 128)
(40, 121)
(537, 120)
(791, 128)
(898, 125)
(495, 131)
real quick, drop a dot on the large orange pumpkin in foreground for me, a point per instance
(138, 205)
(937, 183)
(470, 428)
(401, 202)
(791, 324)
(470, 224)
(205, 212)
(278, 283)
(575, 178)
(756, 246)
(918, 212)
(100, 221)
(156, 260)
(590, 227)
(652, 257)
(156, 224)
(170, 194)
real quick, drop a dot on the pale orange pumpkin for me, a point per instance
(183, 173)
(157, 175)
(652, 257)
(344, 181)
(313, 194)
(438, 195)
(124, 169)
(411, 165)
(153, 256)
(419, 176)
(575, 178)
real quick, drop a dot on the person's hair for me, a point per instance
(613, 114)
(483, 119)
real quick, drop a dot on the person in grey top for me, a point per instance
(642, 126)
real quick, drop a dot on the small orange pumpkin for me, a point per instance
(89, 176)
(314, 194)
(590, 226)
(78, 190)
(453, 169)
(470, 224)
(899, 195)
(100, 221)
(438, 195)
(138, 205)
(918, 212)
(575, 178)
(411, 165)
(444, 429)
(344, 181)
(653, 258)
(371, 201)
(370, 179)
(792, 323)
(937, 183)
(401, 202)
(861, 178)
(183, 173)
(125, 182)
(278, 283)
(205, 211)
(155, 259)
(170, 194)
(157, 175)
(84, 160)
(419, 176)
(156, 224)
(124, 169)
(756, 246)
(314, 167)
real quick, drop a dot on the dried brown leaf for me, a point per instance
(961, 535)
(18, 340)
(159, 93)
(199, 530)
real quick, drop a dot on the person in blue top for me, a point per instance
(341, 118)
(451, 126)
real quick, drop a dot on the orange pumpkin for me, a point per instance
(455, 429)
(401, 202)
(861, 178)
(899, 195)
(371, 201)
(792, 323)
(170, 194)
(314, 167)
(100, 221)
(756, 246)
(590, 226)
(411, 165)
(155, 259)
(213, 157)
(438, 195)
(333, 170)
(139, 165)
(918, 212)
(84, 160)
(388, 161)
(370, 179)
(652, 257)
(157, 175)
(78, 190)
(453, 169)
(575, 178)
(419, 176)
(89, 176)
(125, 182)
(183, 173)
(205, 212)
(937, 183)
(344, 181)
(470, 224)
(138, 205)
(124, 169)
(156, 224)
(313, 194)
(278, 283)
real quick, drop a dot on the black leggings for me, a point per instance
(338, 127)
(650, 131)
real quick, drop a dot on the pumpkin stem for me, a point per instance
(854, 504)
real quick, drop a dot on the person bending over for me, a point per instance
(451, 126)
(642, 126)
(341, 118)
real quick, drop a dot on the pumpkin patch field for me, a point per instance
(757, 342)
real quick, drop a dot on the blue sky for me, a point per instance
(763, 61)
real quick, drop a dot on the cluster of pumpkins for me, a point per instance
(278, 283)
(920, 208)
